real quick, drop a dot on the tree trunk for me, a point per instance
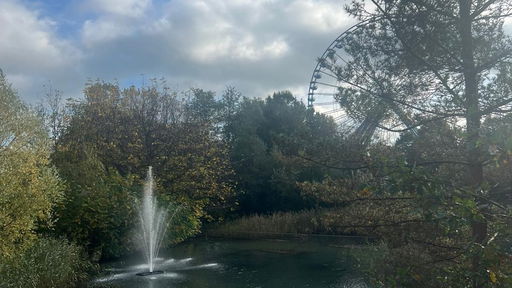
(473, 120)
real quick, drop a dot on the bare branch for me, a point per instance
(332, 166)
(489, 17)
(493, 108)
(418, 124)
(481, 9)
(504, 55)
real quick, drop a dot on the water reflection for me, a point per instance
(164, 264)
(231, 264)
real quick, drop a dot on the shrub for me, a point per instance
(99, 210)
(29, 186)
(47, 263)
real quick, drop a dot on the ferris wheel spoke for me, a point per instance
(334, 111)
(363, 127)
(327, 84)
(328, 74)
(326, 103)
(349, 125)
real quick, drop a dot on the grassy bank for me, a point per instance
(286, 224)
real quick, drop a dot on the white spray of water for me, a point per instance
(153, 222)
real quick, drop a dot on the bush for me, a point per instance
(29, 186)
(99, 210)
(183, 223)
(47, 263)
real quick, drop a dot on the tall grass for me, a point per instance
(282, 224)
(279, 223)
(48, 263)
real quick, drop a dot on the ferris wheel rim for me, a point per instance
(325, 65)
(312, 81)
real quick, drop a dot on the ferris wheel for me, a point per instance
(378, 118)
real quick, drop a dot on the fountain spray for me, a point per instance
(153, 224)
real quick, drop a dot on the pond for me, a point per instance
(319, 263)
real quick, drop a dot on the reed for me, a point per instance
(278, 224)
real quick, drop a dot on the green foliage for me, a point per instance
(48, 263)
(424, 223)
(29, 186)
(408, 266)
(202, 107)
(183, 223)
(113, 136)
(497, 131)
(268, 139)
(99, 209)
(436, 198)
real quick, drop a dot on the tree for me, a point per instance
(29, 185)
(99, 207)
(202, 107)
(113, 136)
(269, 140)
(53, 112)
(415, 62)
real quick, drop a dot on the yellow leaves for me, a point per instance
(416, 277)
(492, 276)
(28, 186)
(365, 193)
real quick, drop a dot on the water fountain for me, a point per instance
(153, 224)
(257, 263)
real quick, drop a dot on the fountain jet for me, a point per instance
(153, 224)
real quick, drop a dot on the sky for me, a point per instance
(258, 46)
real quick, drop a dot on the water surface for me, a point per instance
(320, 263)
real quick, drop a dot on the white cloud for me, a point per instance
(114, 19)
(508, 26)
(213, 30)
(252, 30)
(127, 8)
(259, 46)
(103, 30)
(256, 45)
(243, 49)
(30, 48)
(28, 41)
(318, 16)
